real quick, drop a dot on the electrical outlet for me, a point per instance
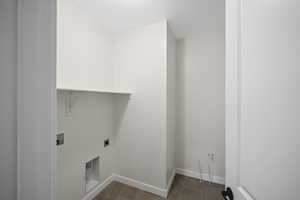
(211, 156)
(106, 142)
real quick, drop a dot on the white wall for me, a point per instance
(143, 60)
(84, 62)
(200, 105)
(89, 123)
(84, 50)
(140, 64)
(171, 75)
(8, 102)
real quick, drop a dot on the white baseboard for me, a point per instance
(205, 177)
(130, 182)
(150, 188)
(170, 182)
(140, 185)
(92, 194)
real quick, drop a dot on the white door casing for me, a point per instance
(232, 97)
(262, 99)
(36, 107)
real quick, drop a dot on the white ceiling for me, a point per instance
(184, 16)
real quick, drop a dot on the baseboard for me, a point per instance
(170, 182)
(133, 183)
(92, 194)
(150, 188)
(140, 185)
(205, 177)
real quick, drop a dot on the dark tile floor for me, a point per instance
(183, 188)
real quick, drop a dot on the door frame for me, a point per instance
(30, 140)
(232, 91)
(233, 55)
(36, 99)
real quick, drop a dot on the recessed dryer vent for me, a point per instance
(92, 177)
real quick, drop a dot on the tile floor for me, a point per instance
(183, 188)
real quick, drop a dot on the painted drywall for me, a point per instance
(140, 64)
(200, 102)
(86, 124)
(84, 50)
(90, 57)
(171, 73)
(84, 62)
(8, 102)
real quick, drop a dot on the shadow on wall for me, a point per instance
(180, 109)
(200, 104)
(121, 104)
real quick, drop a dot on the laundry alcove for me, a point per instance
(117, 87)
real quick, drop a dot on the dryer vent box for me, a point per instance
(92, 177)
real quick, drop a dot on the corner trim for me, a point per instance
(197, 175)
